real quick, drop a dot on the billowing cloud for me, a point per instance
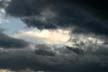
(45, 58)
(87, 53)
(59, 37)
(56, 14)
(58, 45)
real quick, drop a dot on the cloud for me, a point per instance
(9, 42)
(2, 16)
(56, 19)
(45, 57)
(89, 54)
(54, 59)
(56, 14)
(51, 36)
(61, 38)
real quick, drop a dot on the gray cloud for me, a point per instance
(9, 42)
(62, 14)
(64, 60)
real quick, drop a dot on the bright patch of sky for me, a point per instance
(56, 36)
(9, 24)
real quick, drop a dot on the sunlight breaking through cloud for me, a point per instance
(60, 37)
(51, 36)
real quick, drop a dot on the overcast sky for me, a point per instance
(52, 35)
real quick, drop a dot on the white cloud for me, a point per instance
(51, 36)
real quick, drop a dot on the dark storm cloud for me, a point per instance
(64, 60)
(68, 13)
(54, 14)
(44, 50)
(9, 42)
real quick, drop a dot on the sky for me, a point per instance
(53, 36)
(10, 24)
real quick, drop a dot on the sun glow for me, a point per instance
(51, 36)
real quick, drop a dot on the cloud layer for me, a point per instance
(9, 42)
(68, 23)
(59, 36)
(56, 14)
(53, 59)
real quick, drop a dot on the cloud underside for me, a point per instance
(45, 58)
(9, 42)
(80, 53)
(57, 14)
